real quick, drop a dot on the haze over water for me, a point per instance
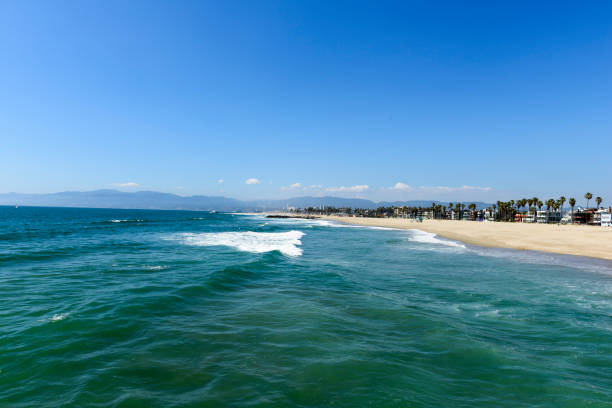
(130, 308)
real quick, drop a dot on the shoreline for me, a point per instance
(577, 240)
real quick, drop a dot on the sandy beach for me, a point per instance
(578, 240)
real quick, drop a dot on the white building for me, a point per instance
(531, 217)
(542, 217)
(567, 218)
(606, 218)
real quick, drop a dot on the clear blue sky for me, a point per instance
(514, 99)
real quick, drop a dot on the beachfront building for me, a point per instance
(594, 216)
(520, 217)
(479, 215)
(531, 217)
(589, 216)
(466, 215)
(545, 217)
(555, 216)
(489, 214)
(580, 217)
(601, 216)
(605, 218)
(567, 218)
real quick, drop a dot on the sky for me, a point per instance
(272, 99)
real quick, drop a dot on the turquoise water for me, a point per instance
(126, 308)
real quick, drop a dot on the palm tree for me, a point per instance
(535, 202)
(530, 202)
(598, 200)
(562, 201)
(572, 203)
(472, 208)
(549, 204)
(588, 197)
(540, 204)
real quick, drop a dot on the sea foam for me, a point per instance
(256, 242)
(429, 238)
(58, 316)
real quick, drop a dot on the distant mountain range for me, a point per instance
(167, 201)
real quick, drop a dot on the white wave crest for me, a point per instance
(58, 316)
(154, 267)
(249, 241)
(429, 238)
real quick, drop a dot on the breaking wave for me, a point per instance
(256, 242)
(58, 316)
(429, 238)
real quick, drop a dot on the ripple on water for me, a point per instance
(176, 312)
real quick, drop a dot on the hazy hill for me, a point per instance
(167, 201)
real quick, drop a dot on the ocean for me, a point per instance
(139, 308)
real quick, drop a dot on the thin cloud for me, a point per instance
(352, 189)
(453, 189)
(220, 181)
(293, 186)
(401, 186)
(128, 184)
(252, 181)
